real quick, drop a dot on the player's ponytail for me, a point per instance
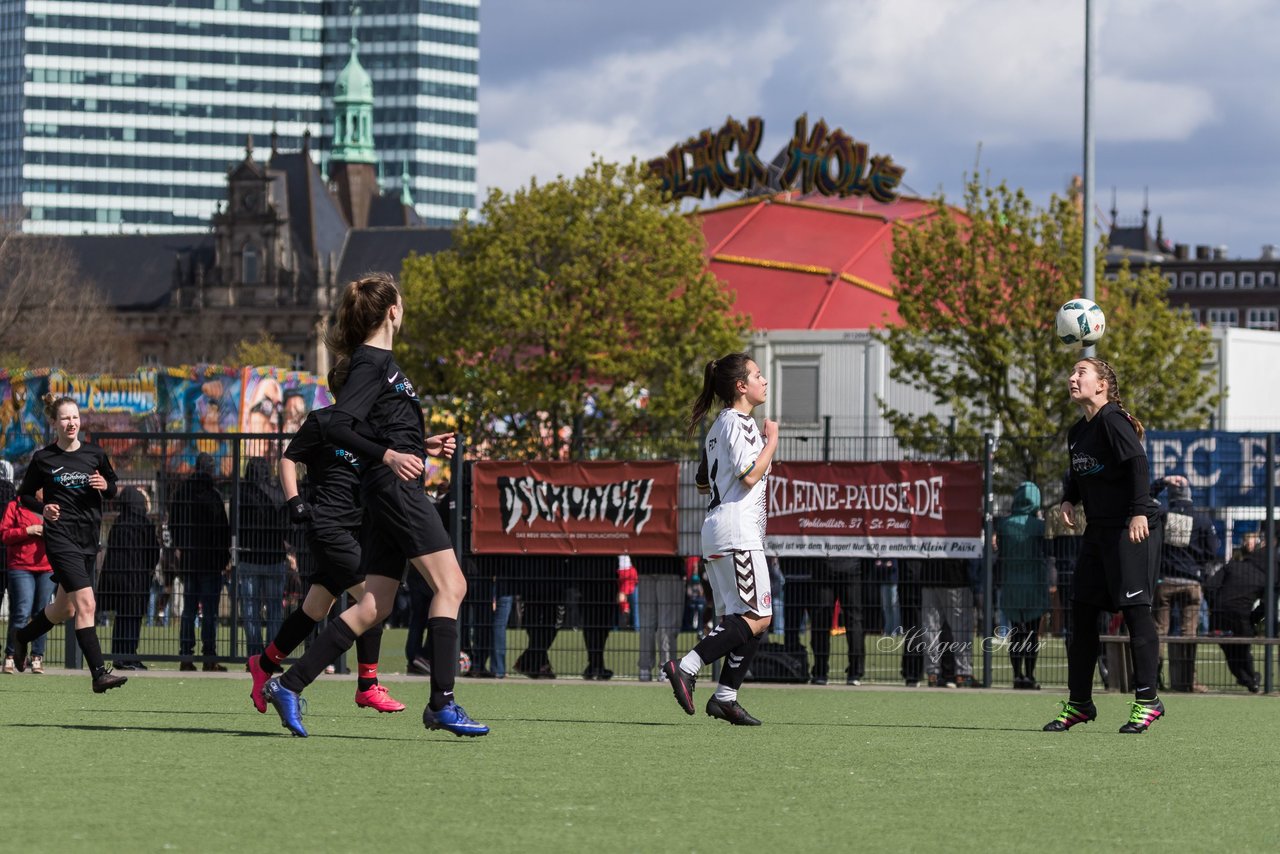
(720, 380)
(337, 376)
(1107, 374)
(361, 309)
(52, 403)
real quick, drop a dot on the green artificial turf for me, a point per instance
(185, 764)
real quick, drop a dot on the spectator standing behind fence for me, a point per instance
(1190, 546)
(7, 491)
(946, 599)
(1027, 579)
(660, 589)
(1237, 602)
(202, 548)
(133, 550)
(30, 577)
(260, 570)
(1120, 552)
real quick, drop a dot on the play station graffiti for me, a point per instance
(899, 509)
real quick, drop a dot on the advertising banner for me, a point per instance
(574, 508)
(1223, 469)
(882, 509)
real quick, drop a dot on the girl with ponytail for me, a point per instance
(1120, 550)
(735, 460)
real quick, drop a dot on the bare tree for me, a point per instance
(51, 315)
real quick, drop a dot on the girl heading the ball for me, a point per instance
(735, 461)
(1120, 551)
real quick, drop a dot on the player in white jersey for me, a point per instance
(735, 460)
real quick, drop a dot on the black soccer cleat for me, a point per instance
(20, 653)
(681, 685)
(1072, 713)
(106, 680)
(1142, 715)
(731, 711)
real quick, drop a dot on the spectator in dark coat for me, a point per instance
(133, 550)
(1236, 595)
(264, 534)
(1190, 545)
(1025, 571)
(202, 546)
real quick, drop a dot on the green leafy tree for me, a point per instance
(573, 318)
(978, 291)
(265, 351)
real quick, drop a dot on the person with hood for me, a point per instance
(30, 580)
(1190, 545)
(1026, 574)
(260, 572)
(201, 537)
(133, 550)
(1236, 595)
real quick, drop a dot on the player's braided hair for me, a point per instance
(361, 308)
(52, 403)
(720, 380)
(1107, 374)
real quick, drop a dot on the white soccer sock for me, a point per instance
(691, 663)
(726, 694)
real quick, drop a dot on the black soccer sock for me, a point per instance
(1082, 652)
(442, 636)
(738, 663)
(293, 631)
(368, 648)
(336, 639)
(1144, 643)
(87, 638)
(35, 627)
(732, 632)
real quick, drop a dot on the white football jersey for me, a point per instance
(736, 514)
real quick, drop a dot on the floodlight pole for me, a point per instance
(1090, 239)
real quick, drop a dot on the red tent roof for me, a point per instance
(811, 262)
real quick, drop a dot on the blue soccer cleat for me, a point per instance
(453, 718)
(288, 704)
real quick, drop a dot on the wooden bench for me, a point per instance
(1115, 651)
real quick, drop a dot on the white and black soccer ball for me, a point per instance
(1081, 323)
(464, 663)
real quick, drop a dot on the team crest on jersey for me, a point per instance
(1084, 464)
(71, 479)
(347, 457)
(767, 601)
(406, 388)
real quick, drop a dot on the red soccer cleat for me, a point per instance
(378, 699)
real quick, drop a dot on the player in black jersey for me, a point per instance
(75, 477)
(1120, 551)
(378, 417)
(332, 520)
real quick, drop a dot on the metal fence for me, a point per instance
(538, 616)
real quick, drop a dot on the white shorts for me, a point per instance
(740, 583)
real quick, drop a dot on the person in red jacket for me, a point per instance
(30, 577)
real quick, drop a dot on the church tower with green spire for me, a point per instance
(352, 159)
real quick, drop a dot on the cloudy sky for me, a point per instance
(1185, 102)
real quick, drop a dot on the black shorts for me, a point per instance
(72, 568)
(1113, 573)
(399, 523)
(336, 552)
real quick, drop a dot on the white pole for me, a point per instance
(1090, 237)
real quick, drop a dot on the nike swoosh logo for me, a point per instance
(1131, 595)
(58, 469)
(392, 378)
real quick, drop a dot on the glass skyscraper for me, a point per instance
(124, 116)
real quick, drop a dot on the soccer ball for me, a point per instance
(464, 663)
(1081, 323)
